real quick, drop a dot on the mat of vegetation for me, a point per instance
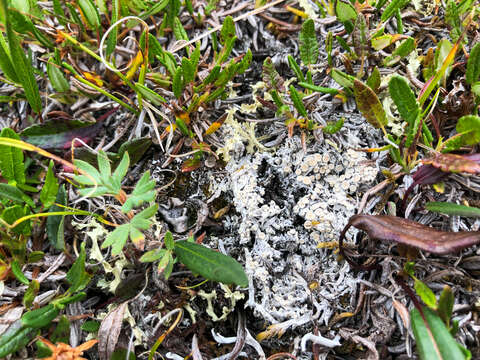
(215, 179)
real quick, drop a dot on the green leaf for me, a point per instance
(469, 124)
(444, 47)
(404, 98)
(149, 94)
(434, 341)
(244, 64)
(105, 169)
(445, 304)
(228, 30)
(392, 8)
(321, 89)
(405, 48)
(55, 75)
(178, 30)
(50, 188)
(333, 127)
(342, 78)
(153, 255)
(40, 317)
(155, 9)
(24, 70)
(77, 277)
(17, 271)
(427, 295)
(345, 11)
(210, 264)
(177, 83)
(62, 331)
(473, 65)
(55, 224)
(6, 63)
(369, 105)
(297, 101)
(295, 68)
(143, 192)
(374, 79)
(30, 293)
(12, 193)
(271, 77)
(11, 159)
(453, 209)
(117, 238)
(13, 213)
(90, 326)
(168, 240)
(308, 44)
(188, 70)
(16, 337)
(90, 13)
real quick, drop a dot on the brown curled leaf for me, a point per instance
(408, 232)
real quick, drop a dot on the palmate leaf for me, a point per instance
(143, 192)
(118, 238)
(308, 44)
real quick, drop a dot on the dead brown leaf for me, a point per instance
(110, 330)
(408, 232)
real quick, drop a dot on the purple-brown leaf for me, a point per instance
(454, 163)
(411, 233)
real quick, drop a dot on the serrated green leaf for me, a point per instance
(333, 127)
(143, 192)
(50, 188)
(308, 44)
(369, 105)
(473, 65)
(228, 30)
(104, 167)
(146, 213)
(117, 238)
(90, 326)
(244, 64)
(188, 70)
(271, 77)
(404, 98)
(77, 277)
(453, 209)
(6, 63)
(90, 170)
(55, 75)
(297, 101)
(427, 295)
(469, 124)
(178, 30)
(11, 159)
(434, 341)
(210, 264)
(122, 168)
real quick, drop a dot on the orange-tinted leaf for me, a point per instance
(216, 124)
(454, 163)
(411, 233)
(92, 77)
(191, 164)
(134, 65)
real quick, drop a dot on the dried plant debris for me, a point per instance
(239, 179)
